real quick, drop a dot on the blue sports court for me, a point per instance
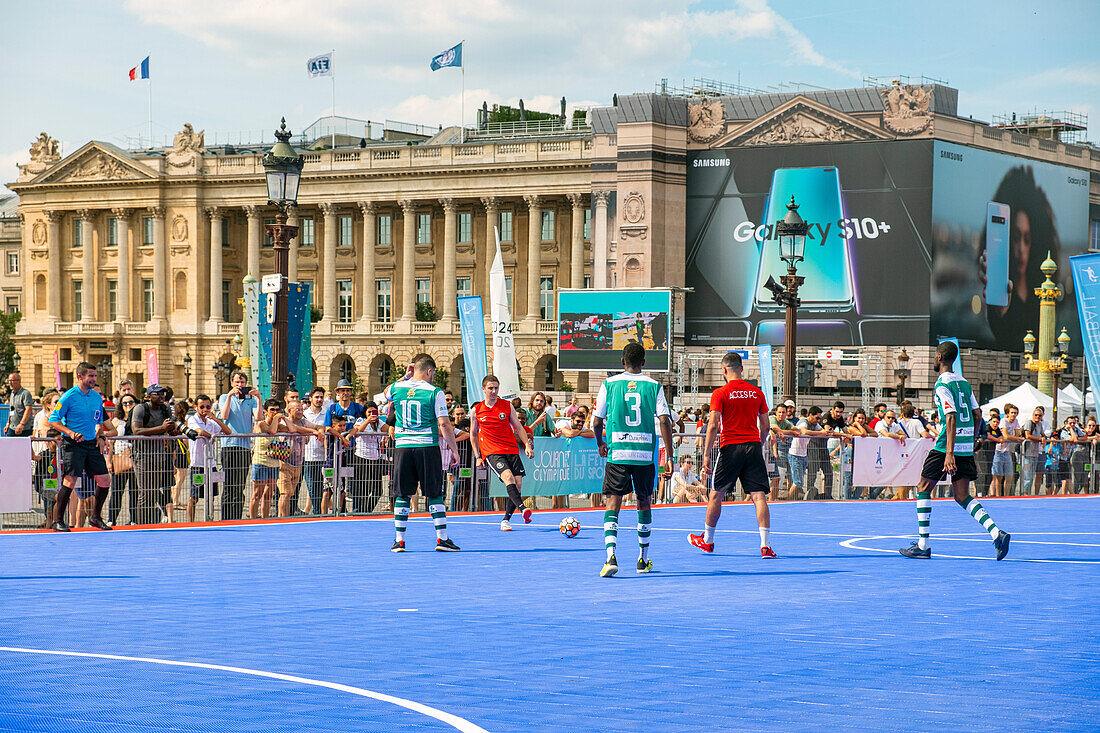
(315, 626)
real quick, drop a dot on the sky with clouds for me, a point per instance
(229, 66)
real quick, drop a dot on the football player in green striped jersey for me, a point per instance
(952, 455)
(631, 404)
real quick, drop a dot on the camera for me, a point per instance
(182, 429)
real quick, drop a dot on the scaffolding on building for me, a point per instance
(1062, 126)
(702, 87)
(907, 80)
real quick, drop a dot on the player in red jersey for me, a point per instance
(495, 435)
(745, 427)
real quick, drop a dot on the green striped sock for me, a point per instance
(610, 532)
(400, 516)
(645, 522)
(439, 516)
(924, 519)
(981, 516)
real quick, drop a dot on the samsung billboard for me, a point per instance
(895, 251)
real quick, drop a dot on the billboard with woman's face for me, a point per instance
(995, 219)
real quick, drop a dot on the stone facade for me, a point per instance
(11, 255)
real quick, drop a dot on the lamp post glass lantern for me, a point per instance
(791, 230)
(283, 170)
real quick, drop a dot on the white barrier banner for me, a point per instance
(888, 461)
(16, 472)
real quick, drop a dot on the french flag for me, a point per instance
(143, 68)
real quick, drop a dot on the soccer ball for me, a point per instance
(570, 527)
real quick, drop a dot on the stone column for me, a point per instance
(125, 271)
(293, 244)
(450, 257)
(328, 280)
(160, 264)
(87, 265)
(370, 240)
(408, 261)
(53, 274)
(216, 244)
(576, 249)
(255, 235)
(534, 255)
(492, 221)
(599, 240)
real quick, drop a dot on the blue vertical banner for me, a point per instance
(958, 367)
(299, 302)
(471, 321)
(767, 377)
(1086, 284)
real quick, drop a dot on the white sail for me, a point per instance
(504, 348)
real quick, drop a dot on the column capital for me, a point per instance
(251, 211)
(408, 206)
(121, 212)
(53, 216)
(328, 209)
(22, 218)
(577, 199)
(214, 212)
(367, 207)
(600, 198)
(449, 204)
(85, 213)
(491, 203)
(158, 212)
(534, 201)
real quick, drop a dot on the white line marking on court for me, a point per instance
(409, 610)
(850, 544)
(453, 720)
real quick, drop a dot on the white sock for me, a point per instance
(708, 533)
(764, 536)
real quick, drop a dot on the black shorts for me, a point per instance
(83, 457)
(501, 462)
(965, 468)
(744, 462)
(417, 467)
(620, 479)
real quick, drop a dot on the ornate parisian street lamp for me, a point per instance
(283, 168)
(104, 368)
(1050, 362)
(221, 373)
(1054, 366)
(187, 375)
(902, 374)
(16, 359)
(791, 231)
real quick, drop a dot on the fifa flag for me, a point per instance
(888, 461)
(1086, 285)
(320, 65)
(141, 71)
(471, 321)
(451, 57)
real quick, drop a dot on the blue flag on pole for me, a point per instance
(767, 385)
(471, 321)
(451, 57)
(1086, 283)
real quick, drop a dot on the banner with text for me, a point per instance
(888, 461)
(471, 322)
(560, 466)
(1086, 284)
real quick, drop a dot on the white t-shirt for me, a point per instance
(912, 426)
(368, 442)
(1010, 427)
(315, 447)
(883, 429)
(799, 445)
(683, 478)
(120, 446)
(202, 445)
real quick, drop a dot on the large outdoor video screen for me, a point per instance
(595, 325)
(868, 257)
(995, 218)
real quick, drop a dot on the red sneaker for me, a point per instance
(527, 516)
(767, 552)
(697, 541)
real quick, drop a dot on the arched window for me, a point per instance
(40, 292)
(347, 368)
(548, 375)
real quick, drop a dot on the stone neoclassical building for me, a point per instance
(132, 250)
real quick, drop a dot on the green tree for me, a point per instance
(425, 312)
(7, 346)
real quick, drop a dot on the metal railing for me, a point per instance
(162, 479)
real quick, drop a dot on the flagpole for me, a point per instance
(332, 68)
(462, 103)
(150, 80)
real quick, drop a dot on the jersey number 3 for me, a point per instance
(634, 407)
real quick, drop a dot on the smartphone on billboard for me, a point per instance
(826, 267)
(996, 253)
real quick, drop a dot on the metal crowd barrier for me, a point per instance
(158, 479)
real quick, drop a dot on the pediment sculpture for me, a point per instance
(98, 167)
(44, 153)
(706, 120)
(907, 110)
(187, 147)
